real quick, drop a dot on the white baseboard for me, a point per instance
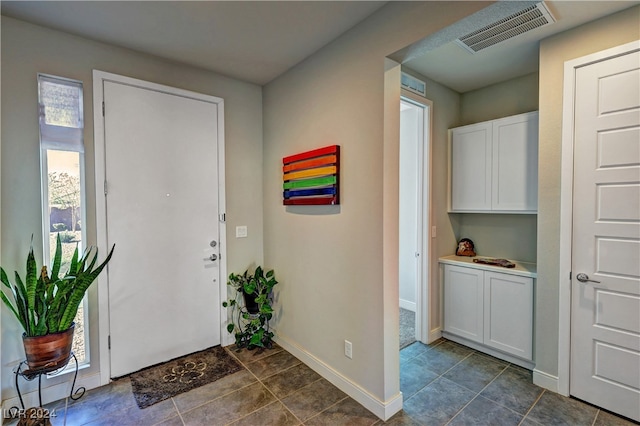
(434, 335)
(529, 365)
(409, 306)
(54, 392)
(383, 409)
(545, 380)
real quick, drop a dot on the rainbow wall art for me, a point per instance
(312, 177)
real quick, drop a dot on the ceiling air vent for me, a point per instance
(533, 17)
(411, 83)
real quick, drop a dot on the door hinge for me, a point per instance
(223, 217)
(105, 187)
(109, 341)
(103, 109)
(570, 276)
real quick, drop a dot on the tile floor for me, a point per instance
(442, 383)
(449, 384)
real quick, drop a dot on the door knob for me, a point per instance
(583, 278)
(213, 243)
(213, 257)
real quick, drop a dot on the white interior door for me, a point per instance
(414, 214)
(605, 322)
(161, 158)
(411, 139)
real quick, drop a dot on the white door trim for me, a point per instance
(423, 307)
(566, 204)
(99, 77)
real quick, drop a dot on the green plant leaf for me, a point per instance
(31, 282)
(230, 328)
(93, 261)
(22, 302)
(84, 278)
(256, 338)
(4, 278)
(73, 267)
(57, 259)
(12, 309)
(249, 288)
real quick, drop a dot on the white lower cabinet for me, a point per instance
(494, 309)
(463, 302)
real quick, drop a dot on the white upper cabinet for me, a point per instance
(494, 166)
(471, 167)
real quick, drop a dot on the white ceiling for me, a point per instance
(448, 63)
(253, 41)
(256, 41)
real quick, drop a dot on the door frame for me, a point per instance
(99, 78)
(566, 205)
(423, 290)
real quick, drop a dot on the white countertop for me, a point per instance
(522, 268)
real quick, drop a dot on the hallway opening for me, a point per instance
(414, 210)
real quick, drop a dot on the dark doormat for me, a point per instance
(159, 382)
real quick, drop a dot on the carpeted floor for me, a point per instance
(160, 382)
(407, 327)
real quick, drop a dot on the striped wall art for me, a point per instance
(312, 177)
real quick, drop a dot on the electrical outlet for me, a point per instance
(241, 231)
(348, 349)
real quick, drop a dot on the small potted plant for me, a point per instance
(46, 304)
(251, 308)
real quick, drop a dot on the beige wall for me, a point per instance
(617, 29)
(515, 96)
(29, 49)
(510, 236)
(331, 261)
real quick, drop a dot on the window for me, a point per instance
(62, 164)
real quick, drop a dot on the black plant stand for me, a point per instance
(30, 375)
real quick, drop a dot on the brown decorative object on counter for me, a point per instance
(465, 248)
(497, 262)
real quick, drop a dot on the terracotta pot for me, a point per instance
(49, 352)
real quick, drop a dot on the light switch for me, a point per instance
(241, 231)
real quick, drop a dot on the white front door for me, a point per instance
(605, 311)
(161, 169)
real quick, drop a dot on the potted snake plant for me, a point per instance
(251, 308)
(46, 304)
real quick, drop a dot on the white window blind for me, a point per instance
(61, 114)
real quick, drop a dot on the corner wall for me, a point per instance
(28, 49)
(611, 31)
(335, 264)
